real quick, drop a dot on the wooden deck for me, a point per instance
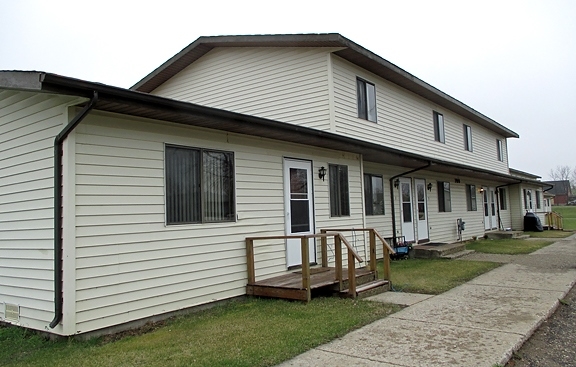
(322, 280)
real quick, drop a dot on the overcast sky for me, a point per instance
(513, 61)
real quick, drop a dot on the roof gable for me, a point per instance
(347, 50)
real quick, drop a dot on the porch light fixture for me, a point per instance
(481, 190)
(322, 173)
(396, 183)
(429, 186)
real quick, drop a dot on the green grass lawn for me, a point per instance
(569, 216)
(255, 332)
(550, 234)
(434, 276)
(508, 246)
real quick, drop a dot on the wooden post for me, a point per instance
(386, 262)
(305, 267)
(250, 260)
(373, 252)
(324, 246)
(351, 274)
(338, 254)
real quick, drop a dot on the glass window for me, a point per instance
(467, 138)
(406, 202)
(471, 197)
(339, 193)
(199, 185)
(499, 150)
(444, 200)
(502, 198)
(366, 100)
(438, 127)
(538, 201)
(373, 194)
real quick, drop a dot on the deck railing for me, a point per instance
(373, 234)
(339, 239)
(554, 220)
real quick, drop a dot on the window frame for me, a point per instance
(363, 99)
(444, 197)
(439, 128)
(369, 198)
(538, 198)
(339, 196)
(471, 202)
(200, 181)
(468, 138)
(502, 198)
(499, 150)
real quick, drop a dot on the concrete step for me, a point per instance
(369, 289)
(457, 255)
(500, 235)
(431, 251)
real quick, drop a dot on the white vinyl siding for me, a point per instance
(131, 265)
(28, 124)
(284, 84)
(404, 122)
(443, 225)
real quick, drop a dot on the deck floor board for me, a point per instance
(319, 277)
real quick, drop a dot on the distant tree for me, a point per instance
(561, 173)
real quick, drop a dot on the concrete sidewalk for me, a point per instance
(480, 323)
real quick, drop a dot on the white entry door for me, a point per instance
(406, 209)
(493, 218)
(489, 208)
(299, 204)
(422, 212)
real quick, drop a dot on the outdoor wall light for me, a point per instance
(396, 183)
(481, 190)
(429, 186)
(322, 173)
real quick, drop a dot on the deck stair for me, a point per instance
(311, 280)
(372, 288)
(501, 235)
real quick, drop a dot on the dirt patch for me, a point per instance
(554, 343)
(144, 329)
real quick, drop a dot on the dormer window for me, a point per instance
(366, 100)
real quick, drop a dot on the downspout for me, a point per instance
(58, 152)
(392, 198)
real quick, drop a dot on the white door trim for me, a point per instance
(296, 197)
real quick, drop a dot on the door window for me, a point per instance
(406, 203)
(299, 203)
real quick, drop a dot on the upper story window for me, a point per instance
(499, 150)
(439, 127)
(467, 138)
(502, 197)
(199, 185)
(471, 197)
(366, 100)
(339, 192)
(373, 194)
(444, 200)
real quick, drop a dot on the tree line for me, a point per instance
(562, 173)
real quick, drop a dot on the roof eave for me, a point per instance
(127, 102)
